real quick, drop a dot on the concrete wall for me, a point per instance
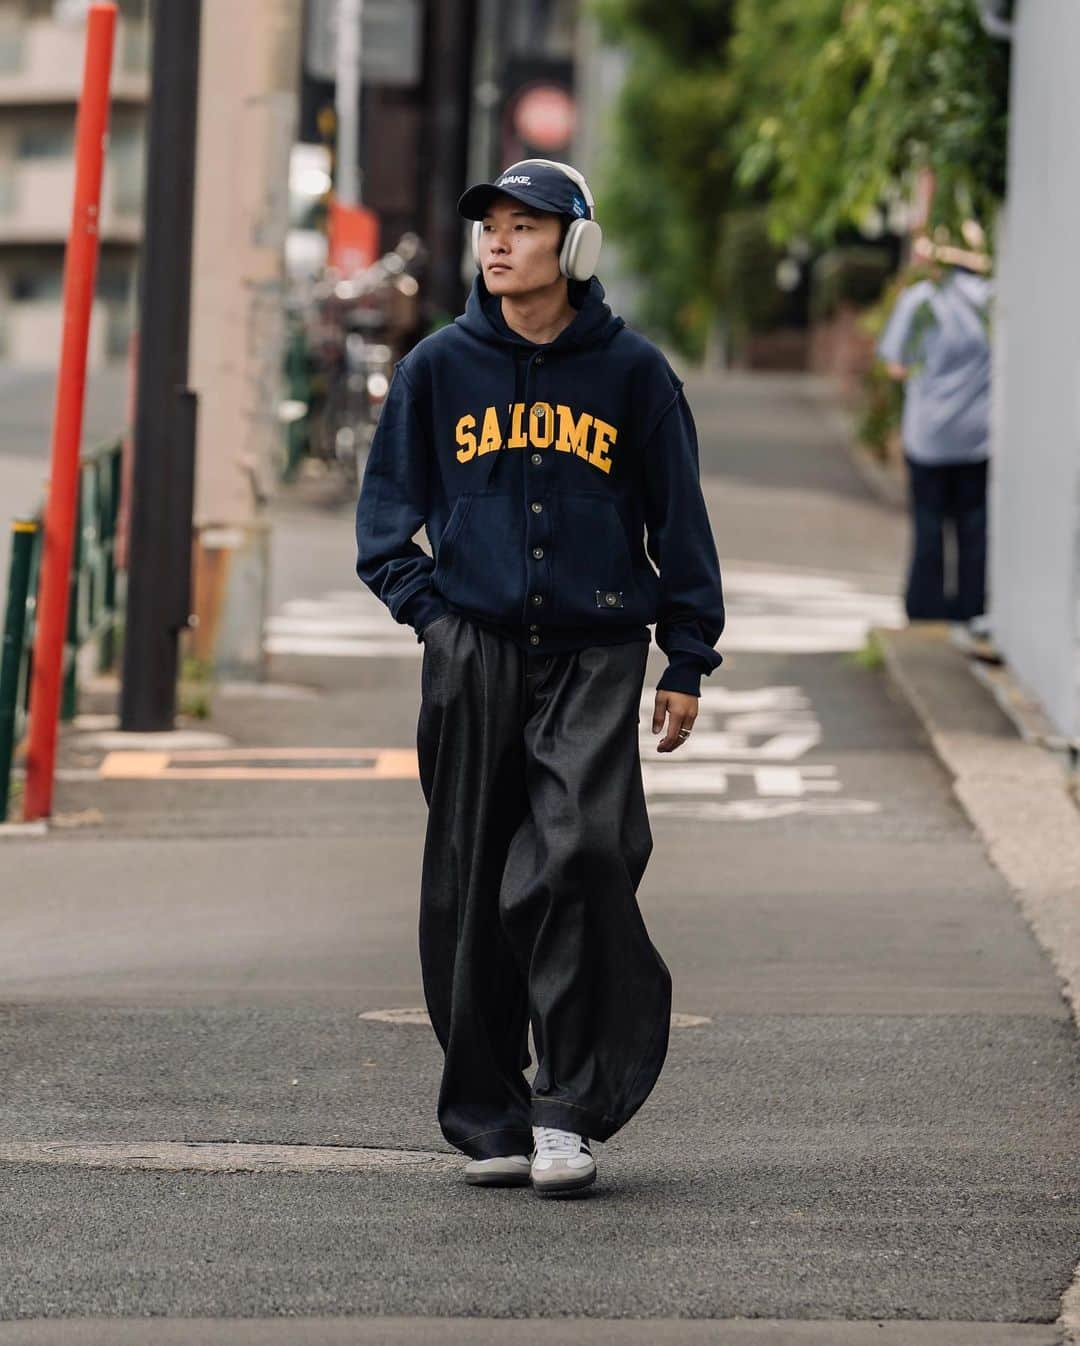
(37, 208)
(1035, 503)
(33, 331)
(247, 122)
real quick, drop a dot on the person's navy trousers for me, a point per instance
(537, 839)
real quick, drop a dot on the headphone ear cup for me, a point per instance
(477, 227)
(581, 249)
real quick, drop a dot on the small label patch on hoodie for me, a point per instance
(583, 434)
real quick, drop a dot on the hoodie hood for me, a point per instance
(594, 323)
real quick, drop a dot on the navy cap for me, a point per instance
(535, 183)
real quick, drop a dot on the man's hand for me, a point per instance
(681, 710)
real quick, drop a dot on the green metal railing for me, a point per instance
(93, 605)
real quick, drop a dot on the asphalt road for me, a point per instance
(871, 1135)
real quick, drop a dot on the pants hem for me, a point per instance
(572, 1117)
(496, 1144)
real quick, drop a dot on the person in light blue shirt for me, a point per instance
(937, 340)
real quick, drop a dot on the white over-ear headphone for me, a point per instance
(581, 247)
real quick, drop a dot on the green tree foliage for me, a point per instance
(664, 188)
(747, 275)
(842, 102)
(826, 110)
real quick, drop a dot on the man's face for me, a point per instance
(519, 247)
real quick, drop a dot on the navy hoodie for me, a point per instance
(551, 480)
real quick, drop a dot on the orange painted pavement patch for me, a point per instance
(258, 764)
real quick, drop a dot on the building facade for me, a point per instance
(41, 61)
(1035, 471)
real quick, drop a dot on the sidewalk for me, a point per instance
(1017, 794)
(865, 1130)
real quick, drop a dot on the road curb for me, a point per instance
(1015, 792)
(889, 487)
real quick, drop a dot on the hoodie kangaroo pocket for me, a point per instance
(593, 570)
(445, 552)
(480, 565)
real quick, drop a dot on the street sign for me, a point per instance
(390, 41)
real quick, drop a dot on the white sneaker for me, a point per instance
(506, 1170)
(562, 1161)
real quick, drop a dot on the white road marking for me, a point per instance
(165, 741)
(768, 612)
(413, 1015)
(340, 624)
(759, 810)
(220, 1157)
(802, 612)
(743, 739)
(712, 778)
(397, 1016)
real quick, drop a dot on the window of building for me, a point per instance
(45, 140)
(37, 284)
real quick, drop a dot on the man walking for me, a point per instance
(937, 339)
(550, 453)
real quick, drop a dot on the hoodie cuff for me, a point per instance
(678, 678)
(422, 608)
(684, 673)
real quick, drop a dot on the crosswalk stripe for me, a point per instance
(768, 612)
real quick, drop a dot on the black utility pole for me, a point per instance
(448, 81)
(159, 546)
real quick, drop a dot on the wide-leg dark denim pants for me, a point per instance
(537, 839)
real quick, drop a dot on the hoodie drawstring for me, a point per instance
(496, 454)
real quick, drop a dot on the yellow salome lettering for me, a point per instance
(573, 435)
(491, 435)
(517, 438)
(466, 438)
(603, 438)
(541, 425)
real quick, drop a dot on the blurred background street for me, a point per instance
(219, 1106)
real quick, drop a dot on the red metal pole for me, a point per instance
(80, 270)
